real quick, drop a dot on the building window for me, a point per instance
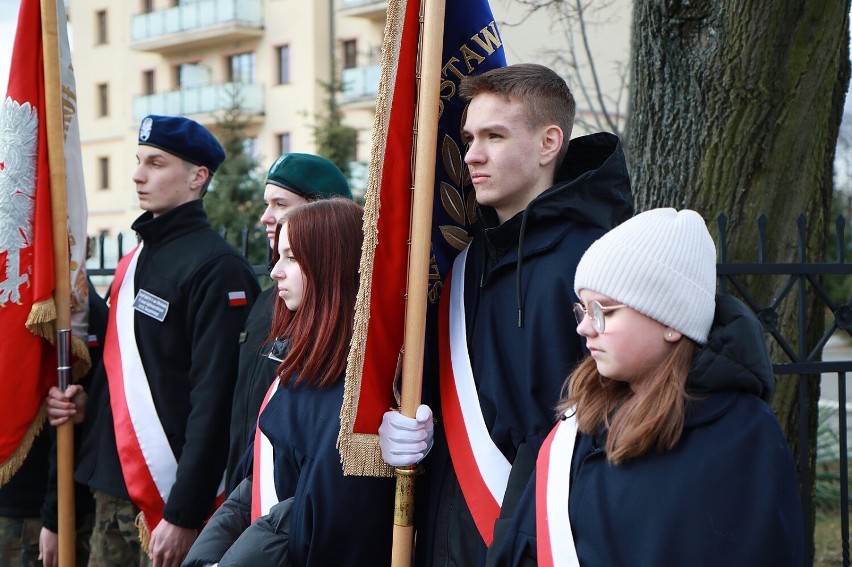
(350, 54)
(101, 27)
(250, 147)
(147, 6)
(103, 171)
(283, 143)
(241, 68)
(191, 76)
(103, 99)
(283, 64)
(148, 82)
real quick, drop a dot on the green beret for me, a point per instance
(309, 176)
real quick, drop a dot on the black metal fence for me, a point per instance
(800, 281)
(106, 255)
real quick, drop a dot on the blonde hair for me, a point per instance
(635, 421)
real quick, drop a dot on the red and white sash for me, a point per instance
(481, 468)
(147, 461)
(263, 493)
(555, 543)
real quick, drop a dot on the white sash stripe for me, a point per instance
(152, 438)
(268, 494)
(558, 486)
(492, 464)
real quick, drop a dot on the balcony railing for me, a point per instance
(360, 83)
(210, 98)
(374, 9)
(197, 21)
(345, 4)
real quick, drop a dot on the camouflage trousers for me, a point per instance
(115, 539)
(19, 541)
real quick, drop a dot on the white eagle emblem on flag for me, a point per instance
(18, 147)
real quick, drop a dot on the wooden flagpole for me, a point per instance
(426, 142)
(62, 271)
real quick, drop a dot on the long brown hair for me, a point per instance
(325, 239)
(635, 422)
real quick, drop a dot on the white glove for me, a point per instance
(406, 441)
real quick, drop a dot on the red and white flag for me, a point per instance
(27, 270)
(471, 44)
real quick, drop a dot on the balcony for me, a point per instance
(360, 84)
(197, 25)
(201, 100)
(375, 10)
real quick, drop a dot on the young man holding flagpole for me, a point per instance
(159, 412)
(506, 336)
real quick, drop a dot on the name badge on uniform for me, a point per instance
(151, 305)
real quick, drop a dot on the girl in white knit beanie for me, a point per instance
(666, 452)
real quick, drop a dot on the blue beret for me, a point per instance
(185, 138)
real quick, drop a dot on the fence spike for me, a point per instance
(762, 222)
(802, 223)
(722, 223)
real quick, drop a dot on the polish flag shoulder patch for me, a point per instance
(237, 298)
(93, 341)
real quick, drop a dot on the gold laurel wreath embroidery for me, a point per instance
(461, 210)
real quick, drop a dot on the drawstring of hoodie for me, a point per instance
(519, 292)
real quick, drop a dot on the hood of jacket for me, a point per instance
(735, 359)
(592, 187)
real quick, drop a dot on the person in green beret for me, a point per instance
(294, 179)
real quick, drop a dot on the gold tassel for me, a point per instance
(83, 361)
(144, 533)
(42, 320)
(42, 323)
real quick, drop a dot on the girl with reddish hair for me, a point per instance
(304, 511)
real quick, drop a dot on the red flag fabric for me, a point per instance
(471, 45)
(26, 244)
(27, 271)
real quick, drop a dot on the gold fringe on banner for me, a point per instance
(11, 466)
(42, 323)
(42, 320)
(360, 453)
(82, 360)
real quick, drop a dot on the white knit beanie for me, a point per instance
(662, 263)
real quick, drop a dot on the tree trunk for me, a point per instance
(735, 108)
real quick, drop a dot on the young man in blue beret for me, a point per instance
(294, 179)
(159, 409)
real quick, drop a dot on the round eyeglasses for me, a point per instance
(596, 311)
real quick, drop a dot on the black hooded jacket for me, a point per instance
(726, 494)
(521, 331)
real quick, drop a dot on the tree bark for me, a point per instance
(735, 107)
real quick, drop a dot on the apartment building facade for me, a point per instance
(196, 57)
